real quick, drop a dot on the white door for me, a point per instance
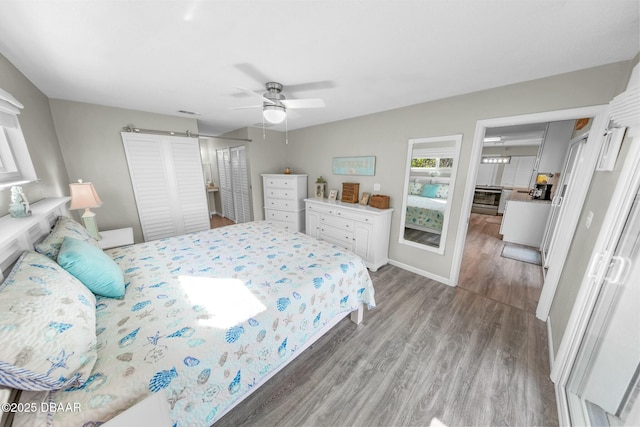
(226, 191)
(603, 384)
(240, 184)
(167, 180)
(550, 237)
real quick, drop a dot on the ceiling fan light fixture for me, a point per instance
(274, 113)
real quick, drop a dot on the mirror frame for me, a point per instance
(457, 140)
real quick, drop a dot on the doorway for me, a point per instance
(568, 221)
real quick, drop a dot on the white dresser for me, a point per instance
(283, 199)
(361, 229)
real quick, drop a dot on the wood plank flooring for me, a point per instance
(426, 351)
(220, 221)
(485, 272)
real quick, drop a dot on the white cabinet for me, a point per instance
(518, 172)
(284, 199)
(504, 196)
(487, 173)
(361, 229)
(167, 180)
(524, 222)
(553, 149)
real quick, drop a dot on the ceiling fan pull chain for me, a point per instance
(286, 129)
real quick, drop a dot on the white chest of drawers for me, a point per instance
(283, 199)
(360, 229)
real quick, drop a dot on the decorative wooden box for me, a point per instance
(379, 201)
(350, 192)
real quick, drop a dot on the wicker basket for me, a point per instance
(350, 192)
(379, 201)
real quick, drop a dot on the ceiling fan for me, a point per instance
(275, 105)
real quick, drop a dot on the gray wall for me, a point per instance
(597, 201)
(385, 136)
(38, 130)
(92, 149)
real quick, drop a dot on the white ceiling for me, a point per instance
(364, 56)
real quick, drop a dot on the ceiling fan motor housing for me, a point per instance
(274, 93)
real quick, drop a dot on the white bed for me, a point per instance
(174, 334)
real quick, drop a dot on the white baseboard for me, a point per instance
(552, 356)
(444, 280)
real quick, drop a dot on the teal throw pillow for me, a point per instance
(429, 190)
(92, 267)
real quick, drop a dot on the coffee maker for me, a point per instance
(542, 189)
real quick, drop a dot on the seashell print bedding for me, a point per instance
(205, 317)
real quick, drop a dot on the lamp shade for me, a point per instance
(274, 113)
(84, 195)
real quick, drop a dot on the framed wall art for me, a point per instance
(365, 165)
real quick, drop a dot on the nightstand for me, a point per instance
(114, 238)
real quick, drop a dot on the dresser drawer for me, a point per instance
(272, 215)
(285, 224)
(356, 216)
(321, 208)
(336, 234)
(281, 204)
(334, 221)
(279, 183)
(281, 194)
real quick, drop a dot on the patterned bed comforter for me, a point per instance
(425, 211)
(206, 316)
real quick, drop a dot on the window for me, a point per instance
(15, 163)
(432, 162)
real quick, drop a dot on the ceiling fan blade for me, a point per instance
(252, 72)
(303, 103)
(291, 114)
(302, 87)
(248, 106)
(250, 92)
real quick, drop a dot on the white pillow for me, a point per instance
(47, 327)
(65, 227)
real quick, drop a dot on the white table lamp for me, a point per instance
(84, 196)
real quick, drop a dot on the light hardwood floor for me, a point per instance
(218, 221)
(427, 351)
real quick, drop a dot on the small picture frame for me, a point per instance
(364, 199)
(333, 194)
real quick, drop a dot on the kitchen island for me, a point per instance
(524, 219)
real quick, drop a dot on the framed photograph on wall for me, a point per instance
(364, 199)
(333, 194)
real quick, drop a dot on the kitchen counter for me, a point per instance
(523, 196)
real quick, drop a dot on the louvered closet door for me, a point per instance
(146, 159)
(168, 185)
(189, 185)
(240, 184)
(226, 193)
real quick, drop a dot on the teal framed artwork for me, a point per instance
(365, 165)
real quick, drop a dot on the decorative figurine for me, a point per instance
(320, 187)
(19, 206)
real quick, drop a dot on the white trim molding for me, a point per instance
(420, 272)
(598, 112)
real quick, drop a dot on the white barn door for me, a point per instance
(168, 185)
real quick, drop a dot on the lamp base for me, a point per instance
(89, 220)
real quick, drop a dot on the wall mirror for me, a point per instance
(430, 174)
